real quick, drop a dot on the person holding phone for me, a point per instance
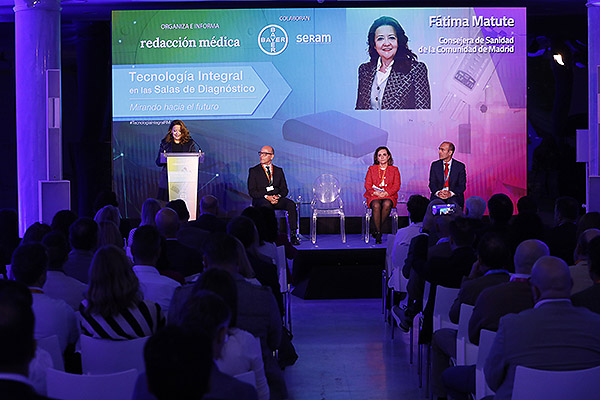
(382, 184)
(448, 177)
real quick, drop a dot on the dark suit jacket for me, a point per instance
(494, 303)
(266, 274)
(562, 240)
(457, 182)
(588, 298)
(402, 90)
(258, 182)
(471, 288)
(209, 222)
(183, 259)
(449, 271)
(14, 390)
(556, 336)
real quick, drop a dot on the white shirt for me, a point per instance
(54, 317)
(400, 251)
(242, 353)
(60, 286)
(449, 169)
(156, 287)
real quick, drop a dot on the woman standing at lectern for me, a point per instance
(382, 184)
(177, 140)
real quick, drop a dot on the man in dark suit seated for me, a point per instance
(16, 335)
(562, 239)
(554, 335)
(268, 188)
(448, 177)
(208, 220)
(590, 297)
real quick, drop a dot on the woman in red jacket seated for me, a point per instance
(382, 184)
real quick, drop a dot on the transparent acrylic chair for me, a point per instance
(326, 202)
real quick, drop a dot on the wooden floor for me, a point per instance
(346, 352)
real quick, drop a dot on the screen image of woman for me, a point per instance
(177, 140)
(393, 79)
(382, 184)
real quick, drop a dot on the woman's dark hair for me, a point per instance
(204, 312)
(219, 282)
(376, 161)
(404, 56)
(113, 285)
(185, 133)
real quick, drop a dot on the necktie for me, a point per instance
(268, 172)
(446, 170)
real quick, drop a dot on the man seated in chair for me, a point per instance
(554, 335)
(268, 188)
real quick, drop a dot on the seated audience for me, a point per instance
(590, 220)
(208, 220)
(183, 259)
(527, 205)
(114, 307)
(146, 250)
(108, 233)
(83, 237)
(62, 221)
(35, 233)
(108, 213)
(149, 210)
(58, 285)
(19, 347)
(500, 209)
(265, 271)
(590, 297)
(178, 366)
(580, 271)
(181, 209)
(554, 335)
(52, 316)
(562, 239)
(241, 353)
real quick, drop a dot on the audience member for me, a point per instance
(580, 271)
(178, 366)
(475, 208)
(241, 353)
(114, 307)
(590, 220)
(108, 233)
(58, 285)
(490, 269)
(149, 210)
(561, 239)
(265, 271)
(145, 250)
(181, 209)
(208, 220)
(416, 207)
(108, 213)
(500, 209)
(19, 347)
(525, 226)
(554, 335)
(590, 297)
(83, 237)
(185, 260)
(527, 205)
(35, 233)
(62, 221)
(52, 316)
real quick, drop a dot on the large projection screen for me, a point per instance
(244, 78)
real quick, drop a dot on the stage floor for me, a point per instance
(334, 242)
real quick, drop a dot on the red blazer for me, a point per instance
(392, 180)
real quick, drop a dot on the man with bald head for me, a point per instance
(208, 220)
(448, 177)
(268, 188)
(554, 335)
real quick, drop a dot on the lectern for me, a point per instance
(182, 173)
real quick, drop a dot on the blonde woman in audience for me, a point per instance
(114, 307)
(108, 233)
(149, 210)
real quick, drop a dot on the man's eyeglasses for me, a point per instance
(263, 153)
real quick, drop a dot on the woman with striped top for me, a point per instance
(114, 307)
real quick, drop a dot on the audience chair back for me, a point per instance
(101, 356)
(52, 346)
(486, 339)
(65, 386)
(284, 287)
(444, 297)
(466, 352)
(535, 384)
(326, 201)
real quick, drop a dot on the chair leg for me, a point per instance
(395, 224)
(343, 227)
(367, 228)
(313, 229)
(428, 370)
(383, 293)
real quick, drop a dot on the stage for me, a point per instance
(330, 269)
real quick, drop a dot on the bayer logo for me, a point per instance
(272, 40)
